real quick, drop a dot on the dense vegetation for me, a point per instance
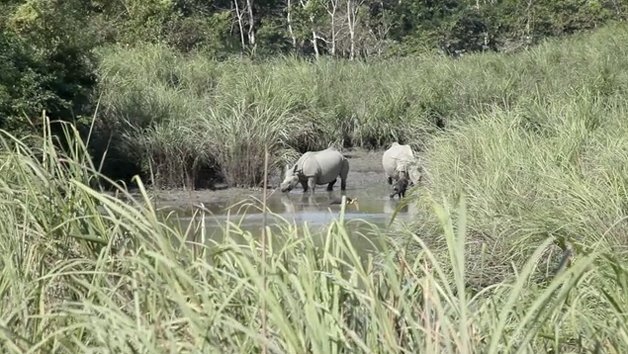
(185, 113)
(163, 68)
(83, 271)
(525, 157)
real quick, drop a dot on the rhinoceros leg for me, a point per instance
(401, 185)
(304, 185)
(311, 183)
(330, 185)
(344, 172)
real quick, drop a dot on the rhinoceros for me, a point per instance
(399, 165)
(317, 168)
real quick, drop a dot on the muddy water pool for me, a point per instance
(366, 220)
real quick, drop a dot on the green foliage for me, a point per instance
(545, 161)
(22, 83)
(238, 108)
(208, 34)
(468, 26)
(149, 103)
(165, 110)
(46, 63)
(533, 154)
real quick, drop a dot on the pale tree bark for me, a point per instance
(332, 16)
(251, 31)
(315, 36)
(529, 19)
(315, 44)
(353, 8)
(289, 20)
(239, 16)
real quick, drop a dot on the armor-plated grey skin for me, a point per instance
(398, 162)
(317, 168)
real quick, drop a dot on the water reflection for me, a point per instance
(372, 205)
(316, 211)
(313, 209)
(312, 203)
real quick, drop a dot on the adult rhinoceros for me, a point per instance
(317, 168)
(399, 165)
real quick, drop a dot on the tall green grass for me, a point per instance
(297, 105)
(555, 168)
(83, 271)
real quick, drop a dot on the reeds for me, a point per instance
(83, 271)
(150, 94)
(531, 163)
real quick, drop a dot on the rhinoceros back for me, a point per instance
(397, 158)
(325, 165)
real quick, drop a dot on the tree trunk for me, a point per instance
(290, 31)
(332, 17)
(315, 44)
(315, 37)
(240, 25)
(351, 20)
(249, 5)
(529, 21)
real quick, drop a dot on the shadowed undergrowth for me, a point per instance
(83, 271)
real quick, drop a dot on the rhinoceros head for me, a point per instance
(290, 181)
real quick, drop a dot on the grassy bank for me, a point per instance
(552, 167)
(85, 272)
(181, 115)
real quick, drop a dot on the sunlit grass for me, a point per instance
(83, 271)
(530, 171)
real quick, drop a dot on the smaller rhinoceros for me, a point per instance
(399, 165)
(317, 168)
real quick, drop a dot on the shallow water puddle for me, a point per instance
(365, 219)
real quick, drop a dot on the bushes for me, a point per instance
(534, 153)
